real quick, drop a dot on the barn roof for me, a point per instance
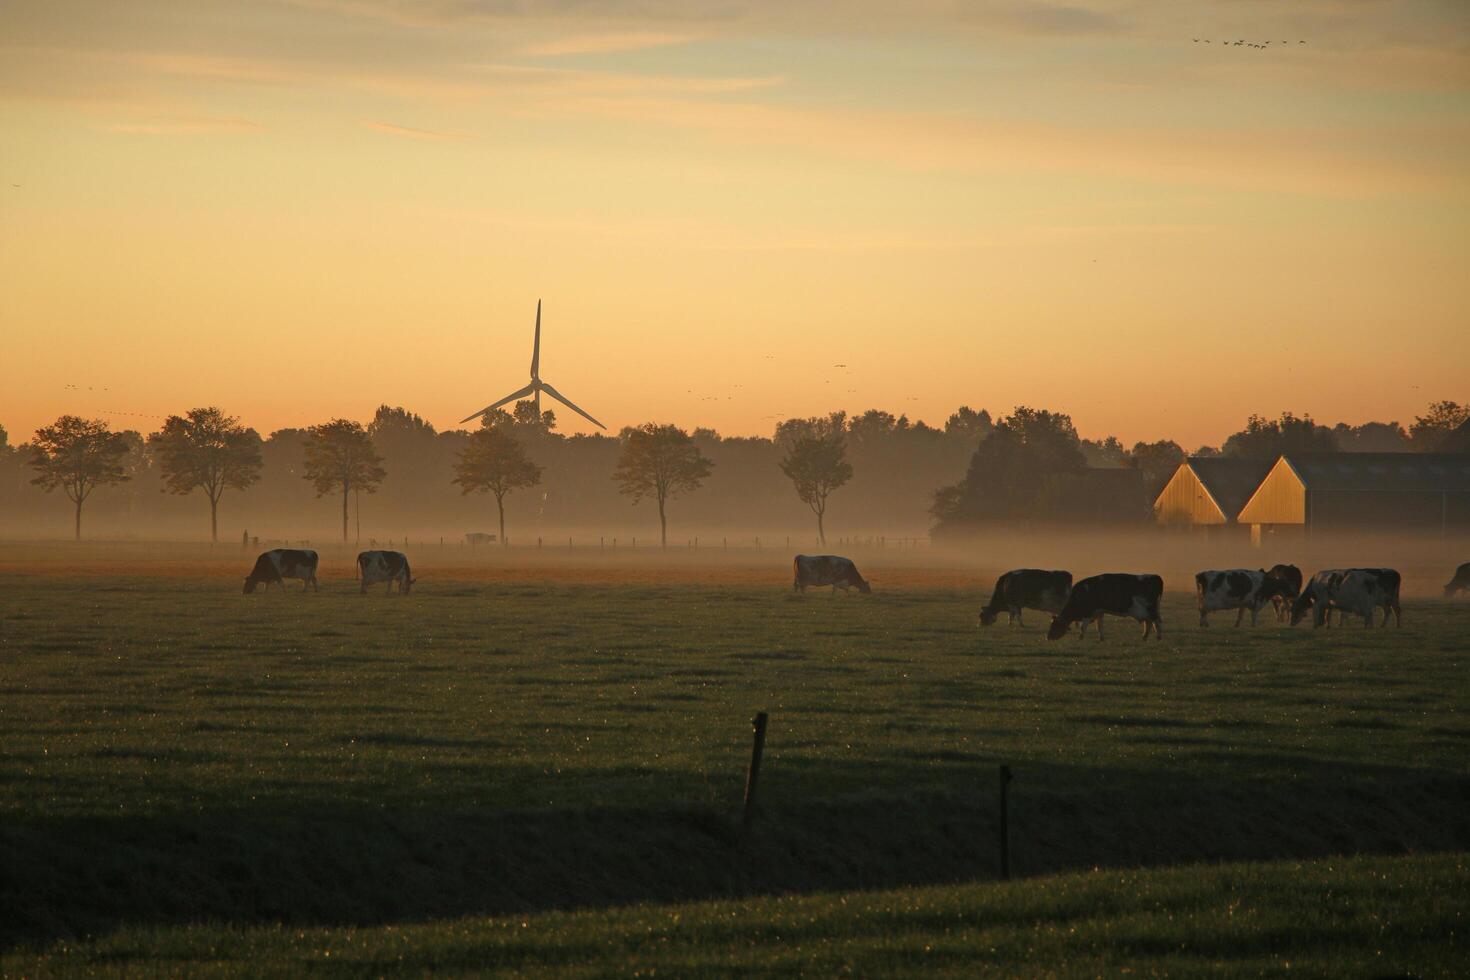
(1230, 479)
(1435, 472)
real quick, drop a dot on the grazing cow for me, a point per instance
(1237, 588)
(279, 564)
(1461, 581)
(479, 537)
(1026, 588)
(385, 566)
(1115, 594)
(832, 570)
(1290, 578)
(1351, 590)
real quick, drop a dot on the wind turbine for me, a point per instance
(536, 386)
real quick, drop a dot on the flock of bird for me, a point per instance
(1241, 42)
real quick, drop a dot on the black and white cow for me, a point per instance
(279, 564)
(1026, 588)
(1235, 588)
(1290, 578)
(1461, 581)
(833, 570)
(1113, 594)
(385, 566)
(1359, 591)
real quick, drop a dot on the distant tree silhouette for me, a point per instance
(1440, 420)
(816, 466)
(966, 423)
(1158, 461)
(1010, 471)
(5, 447)
(77, 456)
(207, 450)
(1370, 437)
(1104, 453)
(340, 454)
(660, 461)
(495, 462)
(1264, 438)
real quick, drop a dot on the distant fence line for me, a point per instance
(755, 542)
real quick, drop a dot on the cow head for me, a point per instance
(1058, 628)
(1301, 604)
(250, 584)
(989, 615)
(864, 587)
(408, 583)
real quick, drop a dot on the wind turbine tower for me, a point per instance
(536, 386)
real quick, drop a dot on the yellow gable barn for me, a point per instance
(1208, 491)
(1427, 492)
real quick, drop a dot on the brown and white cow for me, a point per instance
(833, 570)
(1359, 591)
(1240, 589)
(1026, 588)
(1461, 581)
(385, 566)
(1112, 594)
(279, 564)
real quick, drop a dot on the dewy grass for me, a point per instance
(173, 752)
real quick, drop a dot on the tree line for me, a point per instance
(1030, 464)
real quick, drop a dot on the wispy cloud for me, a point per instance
(605, 43)
(183, 126)
(409, 132)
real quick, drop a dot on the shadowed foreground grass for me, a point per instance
(172, 752)
(1343, 917)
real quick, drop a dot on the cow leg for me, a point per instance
(1158, 627)
(1020, 620)
(1099, 627)
(1204, 617)
(1254, 613)
(1398, 616)
(1239, 616)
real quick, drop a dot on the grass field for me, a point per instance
(176, 753)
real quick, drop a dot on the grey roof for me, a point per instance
(1436, 472)
(1230, 479)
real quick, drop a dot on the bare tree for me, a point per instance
(210, 451)
(660, 461)
(495, 462)
(817, 465)
(340, 454)
(78, 455)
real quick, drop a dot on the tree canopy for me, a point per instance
(494, 461)
(77, 456)
(210, 451)
(661, 462)
(340, 454)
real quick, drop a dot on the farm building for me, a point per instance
(1428, 492)
(1209, 491)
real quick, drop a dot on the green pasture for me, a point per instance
(173, 753)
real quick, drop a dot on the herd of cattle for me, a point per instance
(1356, 591)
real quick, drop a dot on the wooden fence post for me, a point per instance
(1005, 823)
(757, 750)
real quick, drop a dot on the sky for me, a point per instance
(735, 212)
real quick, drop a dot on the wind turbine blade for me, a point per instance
(528, 389)
(561, 398)
(536, 350)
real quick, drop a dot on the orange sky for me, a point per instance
(299, 209)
